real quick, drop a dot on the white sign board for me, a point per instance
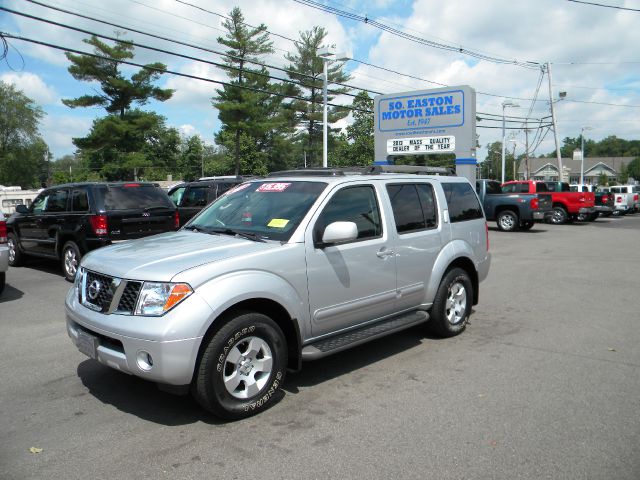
(418, 145)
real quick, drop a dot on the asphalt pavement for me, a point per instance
(543, 384)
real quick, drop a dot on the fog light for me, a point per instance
(145, 361)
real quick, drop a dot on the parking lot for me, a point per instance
(544, 383)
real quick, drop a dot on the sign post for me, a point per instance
(441, 120)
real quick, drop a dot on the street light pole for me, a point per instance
(582, 154)
(505, 104)
(326, 56)
(553, 121)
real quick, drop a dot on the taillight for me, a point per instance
(534, 203)
(99, 224)
(3, 232)
(605, 198)
(619, 200)
(635, 197)
(176, 220)
(486, 231)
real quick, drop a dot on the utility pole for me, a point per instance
(526, 154)
(555, 126)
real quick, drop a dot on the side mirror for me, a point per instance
(339, 232)
(20, 208)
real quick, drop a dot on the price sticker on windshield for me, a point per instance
(273, 187)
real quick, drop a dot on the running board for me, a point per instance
(337, 343)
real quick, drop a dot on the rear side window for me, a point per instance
(413, 206)
(510, 188)
(134, 197)
(79, 201)
(493, 188)
(195, 197)
(462, 202)
(57, 201)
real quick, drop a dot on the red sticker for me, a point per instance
(240, 187)
(273, 187)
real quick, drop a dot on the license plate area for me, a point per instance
(88, 344)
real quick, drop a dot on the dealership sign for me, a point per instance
(412, 146)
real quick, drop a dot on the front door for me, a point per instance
(355, 282)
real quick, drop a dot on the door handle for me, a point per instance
(385, 253)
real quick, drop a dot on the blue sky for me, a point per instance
(592, 50)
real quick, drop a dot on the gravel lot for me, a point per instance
(544, 383)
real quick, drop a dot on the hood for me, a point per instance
(161, 257)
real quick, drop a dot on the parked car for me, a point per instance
(567, 205)
(293, 267)
(605, 204)
(510, 210)
(623, 201)
(4, 253)
(191, 197)
(65, 222)
(632, 192)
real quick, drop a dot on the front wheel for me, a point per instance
(15, 255)
(242, 367)
(452, 305)
(507, 221)
(70, 260)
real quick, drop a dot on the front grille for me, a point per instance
(129, 297)
(98, 291)
(101, 293)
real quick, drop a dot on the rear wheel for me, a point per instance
(242, 367)
(507, 221)
(15, 255)
(70, 260)
(559, 216)
(452, 305)
(527, 225)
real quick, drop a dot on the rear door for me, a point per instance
(136, 210)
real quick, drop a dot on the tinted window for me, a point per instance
(462, 201)
(79, 201)
(220, 188)
(541, 187)
(352, 204)
(493, 188)
(195, 197)
(57, 201)
(39, 203)
(125, 197)
(413, 206)
(509, 188)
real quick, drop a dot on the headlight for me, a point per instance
(158, 298)
(77, 282)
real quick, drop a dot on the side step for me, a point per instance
(343, 341)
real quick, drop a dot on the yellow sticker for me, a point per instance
(278, 223)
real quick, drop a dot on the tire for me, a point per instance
(507, 221)
(242, 367)
(527, 225)
(452, 305)
(582, 217)
(559, 216)
(70, 258)
(16, 258)
(3, 280)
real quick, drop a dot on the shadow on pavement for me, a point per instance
(10, 293)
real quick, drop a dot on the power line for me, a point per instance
(605, 6)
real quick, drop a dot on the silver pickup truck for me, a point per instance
(293, 267)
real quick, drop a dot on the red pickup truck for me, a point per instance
(567, 205)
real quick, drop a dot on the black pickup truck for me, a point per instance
(512, 211)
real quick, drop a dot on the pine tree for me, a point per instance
(306, 68)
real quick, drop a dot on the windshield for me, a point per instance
(270, 210)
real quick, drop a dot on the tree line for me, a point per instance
(267, 124)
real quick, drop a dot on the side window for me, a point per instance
(177, 194)
(79, 201)
(40, 203)
(413, 206)
(541, 187)
(352, 204)
(510, 188)
(523, 188)
(195, 197)
(462, 201)
(57, 201)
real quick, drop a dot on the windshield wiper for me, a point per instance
(229, 231)
(195, 228)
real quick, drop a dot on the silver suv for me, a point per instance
(279, 270)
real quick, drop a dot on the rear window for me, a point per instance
(541, 187)
(462, 201)
(134, 197)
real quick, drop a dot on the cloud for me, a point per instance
(59, 130)
(32, 86)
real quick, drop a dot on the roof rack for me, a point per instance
(368, 170)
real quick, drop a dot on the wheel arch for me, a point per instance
(455, 254)
(467, 265)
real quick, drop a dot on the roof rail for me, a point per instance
(414, 169)
(309, 172)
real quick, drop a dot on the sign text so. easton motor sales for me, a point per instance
(425, 111)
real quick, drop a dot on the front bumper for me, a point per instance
(122, 340)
